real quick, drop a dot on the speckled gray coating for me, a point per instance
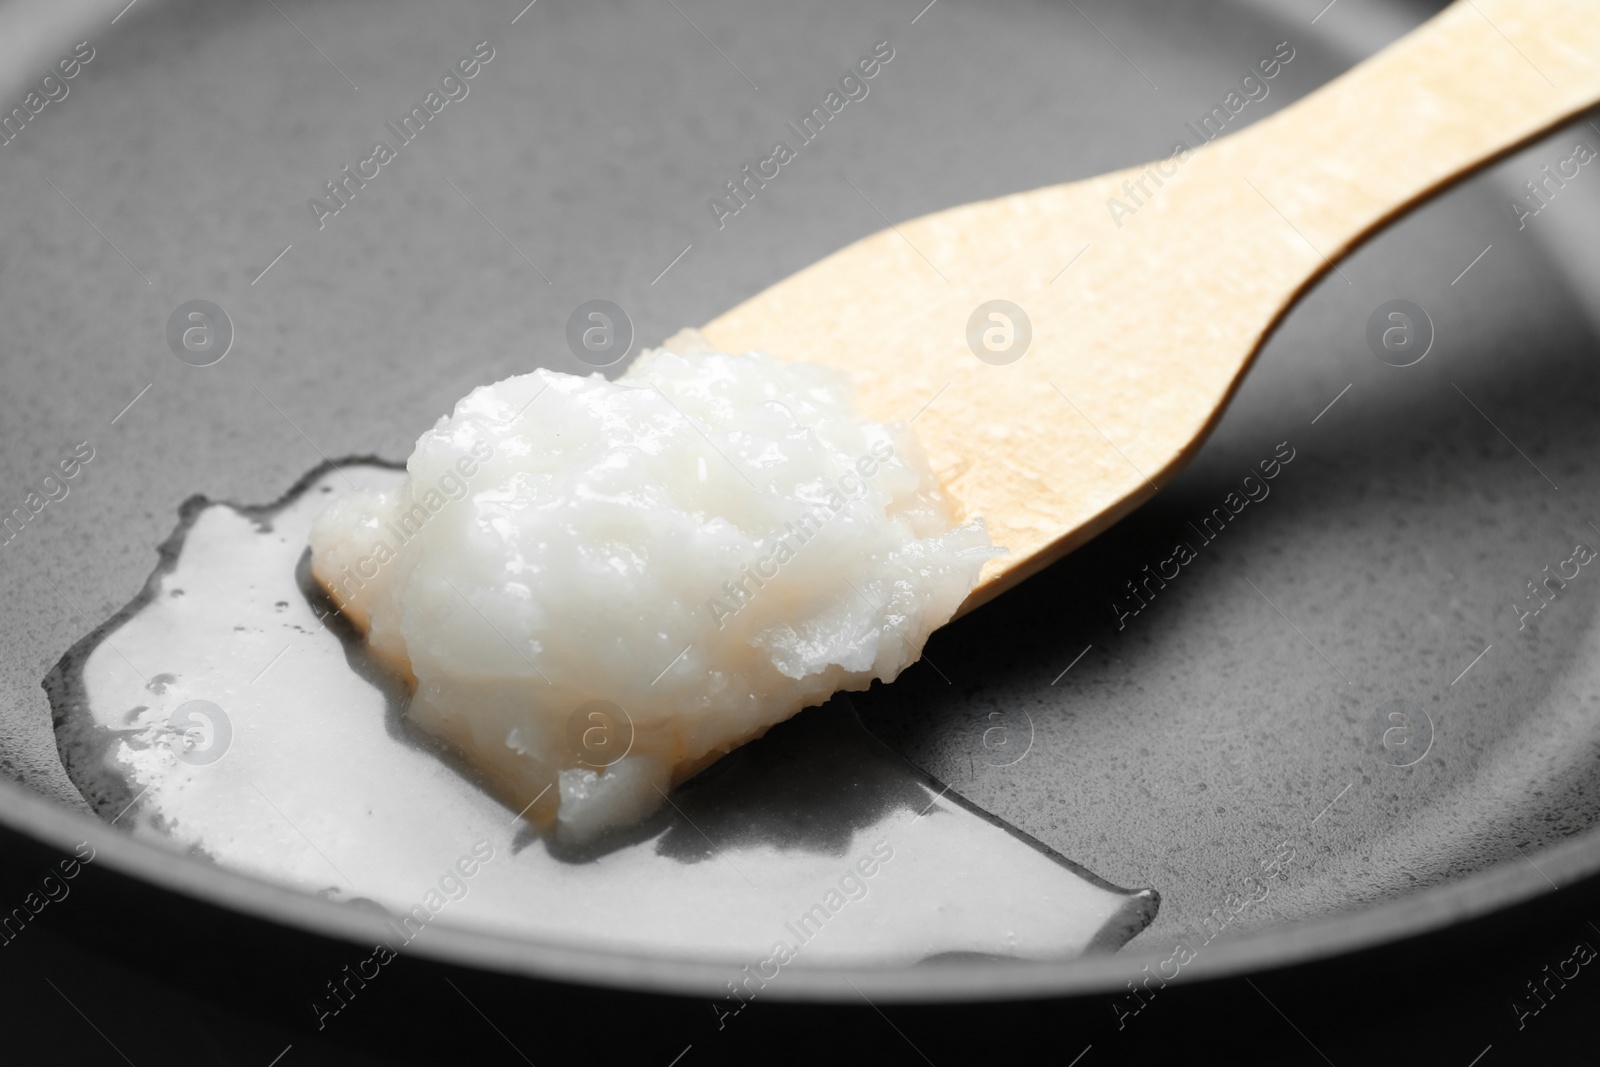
(1180, 752)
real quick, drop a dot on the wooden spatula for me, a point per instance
(1136, 348)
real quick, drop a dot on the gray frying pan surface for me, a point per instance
(1344, 696)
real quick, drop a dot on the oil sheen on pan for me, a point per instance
(230, 711)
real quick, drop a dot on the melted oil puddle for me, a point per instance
(265, 740)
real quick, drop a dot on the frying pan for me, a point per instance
(1196, 745)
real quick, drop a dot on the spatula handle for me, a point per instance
(1481, 79)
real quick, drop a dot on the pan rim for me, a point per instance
(1452, 903)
